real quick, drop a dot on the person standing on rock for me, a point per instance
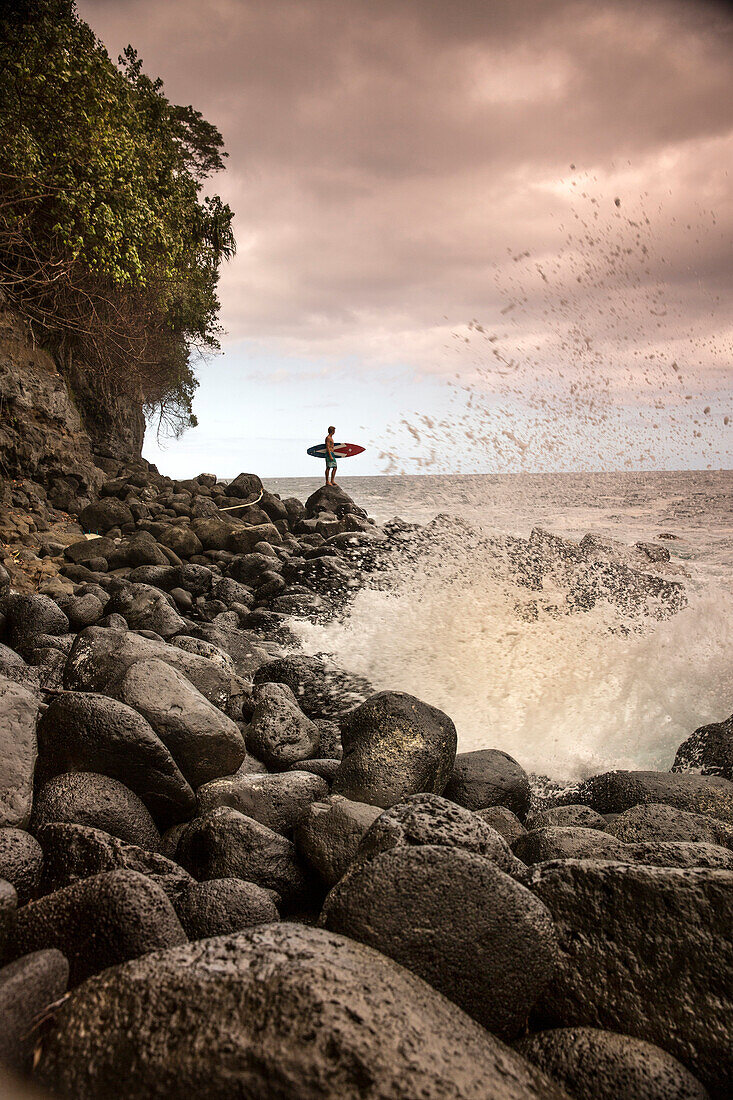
(330, 457)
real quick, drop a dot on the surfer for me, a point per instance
(330, 457)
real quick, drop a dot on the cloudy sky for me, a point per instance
(480, 235)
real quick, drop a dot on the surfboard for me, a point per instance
(341, 450)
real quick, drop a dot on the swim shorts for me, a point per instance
(330, 462)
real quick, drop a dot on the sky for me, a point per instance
(484, 235)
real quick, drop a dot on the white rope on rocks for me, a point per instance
(234, 507)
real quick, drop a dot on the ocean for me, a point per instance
(567, 696)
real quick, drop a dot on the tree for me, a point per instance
(108, 244)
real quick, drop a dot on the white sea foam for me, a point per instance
(567, 695)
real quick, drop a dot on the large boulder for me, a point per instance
(280, 734)
(279, 801)
(279, 1010)
(329, 835)
(204, 743)
(708, 750)
(104, 514)
(645, 951)
(457, 921)
(8, 908)
(322, 690)
(221, 906)
(429, 819)
(18, 714)
(566, 842)
(614, 792)
(27, 987)
(98, 922)
(31, 614)
(74, 852)
(504, 820)
(245, 486)
(394, 745)
(600, 1064)
(21, 862)
(85, 798)
(88, 732)
(242, 540)
(489, 777)
(571, 817)
(101, 656)
(146, 608)
(657, 822)
(330, 498)
(226, 844)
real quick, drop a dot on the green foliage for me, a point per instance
(108, 241)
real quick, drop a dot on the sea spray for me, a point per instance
(567, 692)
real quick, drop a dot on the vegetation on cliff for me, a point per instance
(109, 246)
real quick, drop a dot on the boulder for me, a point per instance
(489, 777)
(8, 907)
(21, 862)
(658, 822)
(182, 540)
(104, 514)
(30, 614)
(212, 532)
(323, 766)
(246, 569)
(245, 487)
(330, 498)
(242, 540)
(27, 987)
(280, 1009)
(280, 734)
(75, 852)
(590, 1062)
(88, 732)
(146, 608)
(654, 964)
(678, 853)
(708, 750)
(85, 798)
(330, 833)
(614, 792)
(279, 801)
(139, 549)
(428, 908)
(204, 743)
(503, 820)
(321, 689)
(87, 549)
(394, 745)
(560, 842)
(429, 819)
(226, 844)
(18, 713)
(222, 906)
(99, 922)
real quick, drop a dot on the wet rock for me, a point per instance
(654, 964)
(104, 514)
(85, 798)
(280, 1005)
(27, 987)
(31, 614)
(85, 731)
(657, 822)
(330, 498)
(428, 819)
(503, 820)
(75, 852)
(589, 1062)
(8, 907)
(280, 734)
(279, 801)
(146, 608)
(426, 908)
(329, 835)
(21, 862)
(231, 592)
(708, 750)
(571, 817)
(226, 844)
(324, 767)
(246, 569)
(614, 792)
(18, 713)
(489, 777)
(222, 906)
(678, 853)
(394, 745)
(321, 689)
(99, 922)
(560, 842)
(204, 743)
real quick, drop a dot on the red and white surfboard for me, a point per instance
(341, 450)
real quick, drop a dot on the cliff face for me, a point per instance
(52, 430)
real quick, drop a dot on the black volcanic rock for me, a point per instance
(489, 777)
(85, 798)
(27, 987)
(21, 862)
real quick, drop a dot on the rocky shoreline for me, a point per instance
(230, 866)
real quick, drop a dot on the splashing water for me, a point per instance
(568, 695)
